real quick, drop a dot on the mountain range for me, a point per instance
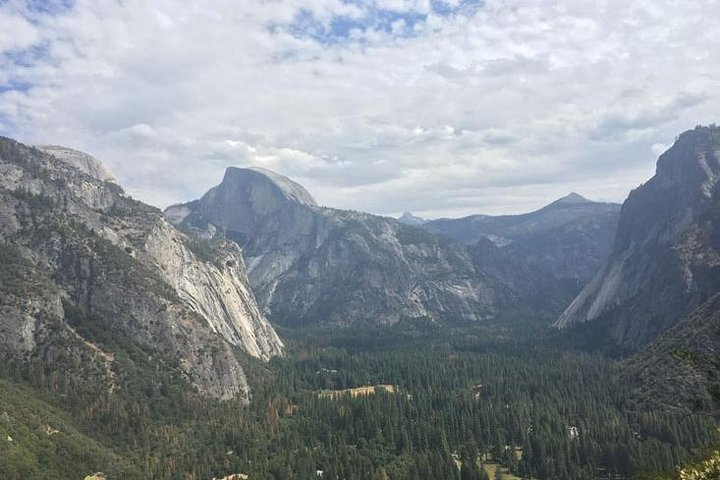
(633, 271)
(616, 276)
(544, 257)
(312, 264)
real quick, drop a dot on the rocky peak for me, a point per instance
(570, 199)
(684, 186)
(409, 219)
(80, 160)
(256, 208)
(264, 186)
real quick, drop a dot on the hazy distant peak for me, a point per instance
(568, 201)
(409, 219)
(291, 190)
(80, 160)
(571, 198)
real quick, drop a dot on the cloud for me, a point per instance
(420, 6)
(625, 124)
(17, 32)
(439, 107)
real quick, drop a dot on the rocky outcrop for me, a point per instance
(80, 160)
(544, 257)
(665, 260)
(311, 264)
(81, 256)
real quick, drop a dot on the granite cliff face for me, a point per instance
(82, 261)
(311, 264)
(665, 261)
(544, 257)
(215, 287)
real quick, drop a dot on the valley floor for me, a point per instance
(402, 402)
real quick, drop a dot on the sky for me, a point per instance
(438, 107)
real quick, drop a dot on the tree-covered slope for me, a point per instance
(681, 368)
(41, 441)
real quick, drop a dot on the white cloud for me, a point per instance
(493, 109)
(407, 6)
(16, 32)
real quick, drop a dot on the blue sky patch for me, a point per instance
(7, 126)
(51, 7)
(465, 7)
(28, 56)
(15, 86)
(399, 24)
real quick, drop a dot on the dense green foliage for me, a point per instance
(464, 397)
(476, 392)
(38, 441)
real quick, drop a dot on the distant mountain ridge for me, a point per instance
(665, 260)
(572, 198)
(543, 257)
(503, 229)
